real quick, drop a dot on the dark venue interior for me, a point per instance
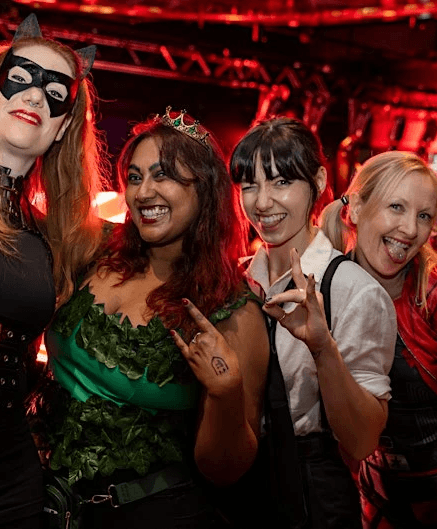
(360, 72)
(183, 382)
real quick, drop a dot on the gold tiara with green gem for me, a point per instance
(179, 124)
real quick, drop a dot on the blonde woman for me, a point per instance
(385, 219)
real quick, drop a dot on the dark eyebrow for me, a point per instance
(154, 166)
(135, 168)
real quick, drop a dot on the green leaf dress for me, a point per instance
(133, 397)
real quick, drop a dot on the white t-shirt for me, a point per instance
(363, 321)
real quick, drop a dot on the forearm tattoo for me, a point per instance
(219, 365)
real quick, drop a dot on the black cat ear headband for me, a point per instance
(29, 28)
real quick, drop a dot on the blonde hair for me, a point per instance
(64, 182)
(373, 183)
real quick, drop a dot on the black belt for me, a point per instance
(141, 488)
(316, 444)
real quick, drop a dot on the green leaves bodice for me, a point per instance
(132, 396)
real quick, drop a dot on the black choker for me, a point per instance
(10, 194)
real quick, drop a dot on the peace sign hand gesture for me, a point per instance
(213, 362)
(307, 320)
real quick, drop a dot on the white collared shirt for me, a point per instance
(363, 325)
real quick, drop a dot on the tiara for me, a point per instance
(179, 124)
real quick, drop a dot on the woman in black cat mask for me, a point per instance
(49, 170)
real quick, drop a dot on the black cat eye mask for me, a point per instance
(18, 74)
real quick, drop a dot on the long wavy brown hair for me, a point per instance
(63, 182)
(208, 271)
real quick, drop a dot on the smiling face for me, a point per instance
(161, 208)
(278, 209)
(392, 232)
(36, 85)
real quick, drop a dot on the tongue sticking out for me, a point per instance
(397, 253)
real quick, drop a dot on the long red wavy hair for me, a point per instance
(208, 271)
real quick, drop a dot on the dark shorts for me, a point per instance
(333, 499)
(331, 496)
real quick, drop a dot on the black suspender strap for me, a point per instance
(325, 287)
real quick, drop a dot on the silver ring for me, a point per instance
(283, 316)
(32, 104)
(194, 340)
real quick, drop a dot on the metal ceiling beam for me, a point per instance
(183, 63)
(387, 11)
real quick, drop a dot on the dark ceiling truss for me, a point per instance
(181, 63)
(277, 83)
(284, 85)
(255, 13)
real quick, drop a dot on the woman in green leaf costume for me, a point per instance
(161, 350)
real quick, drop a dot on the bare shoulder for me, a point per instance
(97, 278)
(246, 333)
(245, 319)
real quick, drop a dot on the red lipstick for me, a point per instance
(28, 117)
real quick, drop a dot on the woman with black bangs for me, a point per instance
(160, 332)
(336, 381)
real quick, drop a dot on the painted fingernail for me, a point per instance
(172, 332)
(185, 301)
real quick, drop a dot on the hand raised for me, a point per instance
(213, 362)
(306, 321)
